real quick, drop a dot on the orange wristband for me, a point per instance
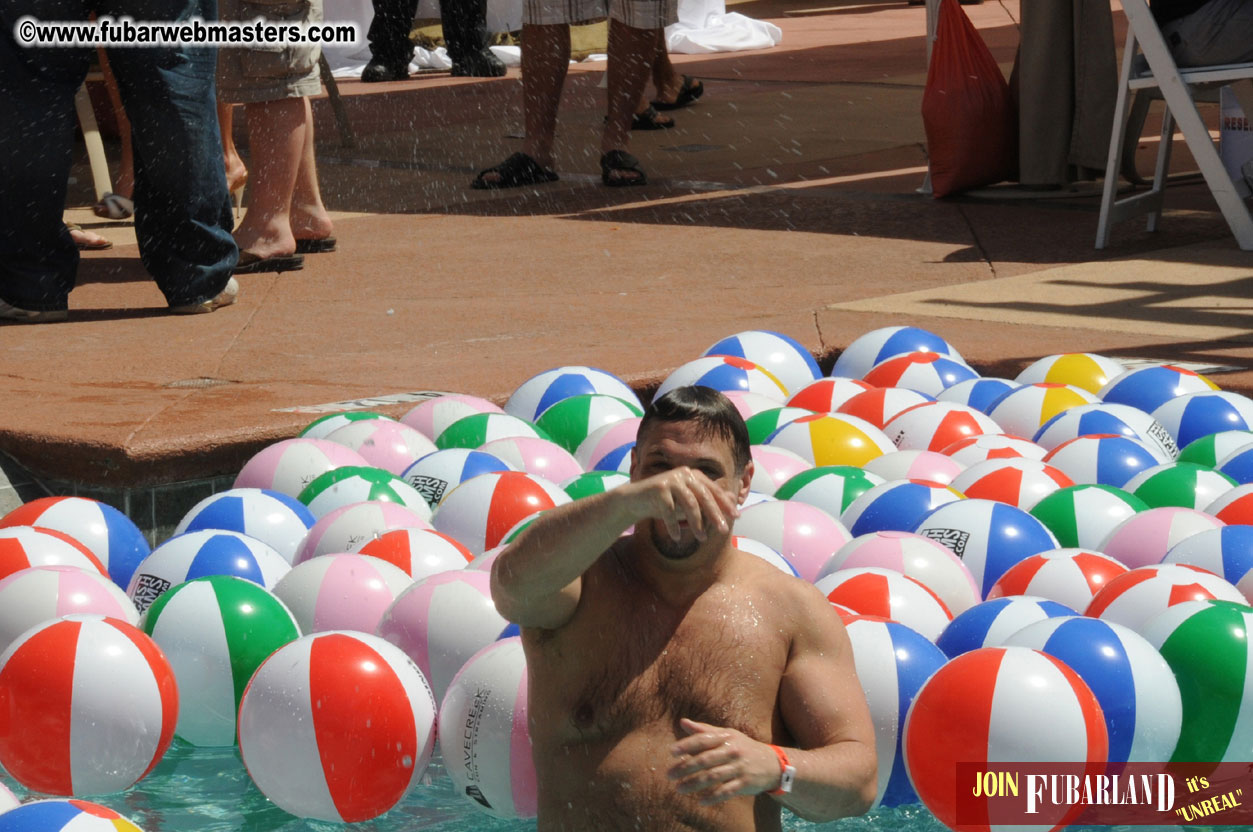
(787, 774)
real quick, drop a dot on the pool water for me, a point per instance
(208, 790)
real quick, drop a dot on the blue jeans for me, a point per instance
(183, 216)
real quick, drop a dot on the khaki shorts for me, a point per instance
(638, 14)
(250, 75)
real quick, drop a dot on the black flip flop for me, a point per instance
(519, 169)
(688, 93)
(620, 160)
(321, 245)
(650, 119)
(250, 263)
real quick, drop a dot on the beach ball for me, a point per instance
(543, 390)
(269, 516)
(8, 800)
(1084, 515)
(1069, 576)
(1085, 370)
(591, 483)
(927, 372)
(1102, 458)
(383, 443)
(1206, 644)
(617, 460)
(351, 484)
(749, 404)
(1134, 598)
(89, 705)
(724, 373)
(337, 727)
(805, 535)
(915, 465)
(200, 554)
(892, 663)
(1104, 417)
(766, 553)
(484, 736)
(477, 430)
(216, 632)
(875, 346)
(1227, 552)
(531, 455)
(782, 355)
(831, 488)
(32, 596)
(1210, 450)
(288, 466)
(990, 623)
(483, 562)
(419, 553)
(324, 426)
(762, 424)
(828, 394)
(349, 528)
(1018, 482)
(1182, 484)
(979, 393)
(22, 547)
(433, 416)
(341, 592)
(997, 704)
(1238, 465)
(571, 420)
(774, 466)
(988, 536)
(1148, 388)
(880, 405)
(606, 440)
(872, 590)
(480, 511)
(439, 472)
(975, 449)
(933, 426)
(1193, 415)
(62, 816)
(832, 439)
(1024, 410)
(1136, 688)
(106, 532)
(895, 506)
(441, 621)
(920, 558)
(1234, 505)
(1144, 538)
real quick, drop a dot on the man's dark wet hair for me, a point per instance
(713, 413)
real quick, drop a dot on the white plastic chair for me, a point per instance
(1176, 86)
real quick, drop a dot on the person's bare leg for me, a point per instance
(276, 138)
(124, 183)
(631, 53)
(309, 220)
(236, 171)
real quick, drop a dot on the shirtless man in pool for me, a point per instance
(677, 683)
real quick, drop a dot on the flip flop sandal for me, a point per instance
(320, 245)
(114, 207)
(620, 161)
(689, 92)
(519, 169)
(250, 263)
(86, 246)
(650, 119)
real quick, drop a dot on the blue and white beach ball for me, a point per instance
(878, 345)
(268, 516)
(543, 390)
(783, 356)
(991, 623)
(200, 554)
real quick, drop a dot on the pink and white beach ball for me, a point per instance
(805, 535)
(289, 465)
(32, 596)
(349, 528)
(341, 592)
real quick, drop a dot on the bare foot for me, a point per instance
(264, 239)
(309, 224)
(88, 240)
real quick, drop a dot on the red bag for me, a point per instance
(972, 135)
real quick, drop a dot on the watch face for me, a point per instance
(787, 779)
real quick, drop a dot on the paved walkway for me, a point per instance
(784, 200)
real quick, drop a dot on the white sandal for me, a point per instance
(114, 207)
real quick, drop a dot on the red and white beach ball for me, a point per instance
(443, 620)
(419, 553)
(827, 395)
(1019, 482)
(1000, 704)
(433, 416)
(32, 596)
(289, 465)
(349, 528)
(1134, 598)
(871, 590)
(89, 706)
(542, 390)
(924, 560)
(337, 727)
(832, 439)
(934, 426)
(484, 736)
(787, 358)
(533, 455)
(22, 547)
(806, 535)
(435, 474)
(975, 449)
(915, 465)
(108, 533)
(1023, 411)
(1235, 506)
(385, 444)
(1144, 538)
(480, 511)
(341, 592)
(926, 372)
(724, 372)
(870, 348)
(880, 405)
(1070, 576)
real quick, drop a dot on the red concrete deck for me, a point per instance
(784, 200)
